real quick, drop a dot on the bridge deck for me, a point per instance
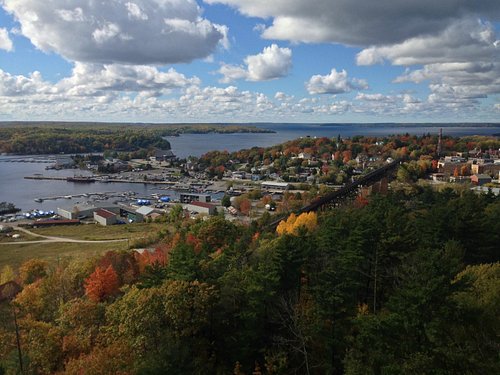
(347, 190)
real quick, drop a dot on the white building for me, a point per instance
(270, 185)
(105, 217)
(201, 208)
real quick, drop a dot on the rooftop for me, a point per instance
(105, 213)
(202, 204)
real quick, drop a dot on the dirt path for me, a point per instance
(52, 239)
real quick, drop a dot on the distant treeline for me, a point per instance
(62, 137)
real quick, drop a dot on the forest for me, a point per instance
(402, 283)
(30, 138)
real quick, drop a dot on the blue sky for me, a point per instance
(250, 60)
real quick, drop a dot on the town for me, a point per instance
(244, 185)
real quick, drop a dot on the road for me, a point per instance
(52, 239)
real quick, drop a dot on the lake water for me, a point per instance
(22, 192)
(198, 144)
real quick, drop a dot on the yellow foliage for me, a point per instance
(308, 220)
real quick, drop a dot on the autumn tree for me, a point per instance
(306, 220)
(32, 270)
(245, 206)
(101, 284)
(7, 274)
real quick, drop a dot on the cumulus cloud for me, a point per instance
(466, 40)
(272, 63)
(454, 40)
(461, 63)
(5, 42)
(119, 31)
(93, 79)
(360, 22)
(334, 83)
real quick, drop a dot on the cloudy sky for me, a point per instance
(250, 60)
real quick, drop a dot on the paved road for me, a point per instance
(51, 239)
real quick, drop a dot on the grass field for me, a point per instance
(95, 232)
(15, 255)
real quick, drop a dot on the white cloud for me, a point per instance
(120, 31)
(461, 63)
(272, 63)
(5, 42)
(360, 22)
(135, 12)
(334, 83)
(92, 79)
(466, 40)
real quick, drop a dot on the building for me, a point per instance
(483, 168)
(143, 213)
(190, 197)
(163, 155)
(270, 185)
(480, 179)
(105, 217)
(54, 222)
(201, 208)
(83, 211)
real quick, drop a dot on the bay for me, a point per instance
(22, 192)
(198, 144)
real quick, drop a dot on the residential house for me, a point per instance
(480, 179)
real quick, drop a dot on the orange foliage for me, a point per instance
(360, 201)
(434, 164)
(147, 258)
(347, 155)
(194, 241)
(102, 283)
(245, 206)
(464, 171)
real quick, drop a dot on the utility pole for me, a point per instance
(440, 143)
(18, 340)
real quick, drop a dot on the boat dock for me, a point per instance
(101, 195)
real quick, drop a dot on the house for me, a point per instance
(143, 212)
(113, 166)
(269, 185)
(189, 197)
(486, 190)
(436, 177)
(304, 155)
(201, 208)
(105, 217)
(480, 179)
(483, 168)
(163, 155)
(239, 175)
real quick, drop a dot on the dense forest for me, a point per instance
(403, 283)
(56, 137)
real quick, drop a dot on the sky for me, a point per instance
(250, 60)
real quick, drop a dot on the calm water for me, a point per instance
(198, 144)
(14, 188)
